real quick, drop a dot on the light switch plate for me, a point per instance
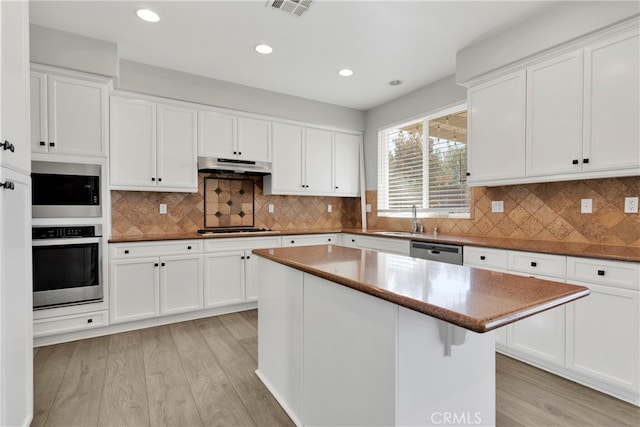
(630, 205)
(586, 206)
(270, 207)
(163, 208)
(329, 208)
(497, 206)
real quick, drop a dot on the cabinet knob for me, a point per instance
(534, 264)
(293, 241)
(329, 239)
(162, 265)
(468, 173)
(353, 240)
(336, 187)
(482, 257)
(153, 179)
(52, 144)
(585, 160)
(155, 265)
(6, 145)
(239, 153)
(248, 257)
(89, 320)
(159, 179)
(600, 272)
(7, 185)
(43, 143)
(189, 248)
(126, 251)
(235, 152)
(242, 257)
(575, 161)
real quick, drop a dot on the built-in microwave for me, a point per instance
(65, 190)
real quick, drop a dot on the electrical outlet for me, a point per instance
(630, 205)
(586, 206)
(270, 207)
(497, 206)
(163, 208)
(367, 207)
(329, 208)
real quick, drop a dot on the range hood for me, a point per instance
(249, 167)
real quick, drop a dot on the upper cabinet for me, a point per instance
(233, 137)
(14, 71)
(313, 162)
(569, 116)
(153, 146)
(68, 114)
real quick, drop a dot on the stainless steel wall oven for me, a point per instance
(66, 266)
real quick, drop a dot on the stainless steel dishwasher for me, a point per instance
(451, 254)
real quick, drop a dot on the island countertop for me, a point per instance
(474, 299)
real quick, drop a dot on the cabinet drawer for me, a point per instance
(489, 259)
(76, 322)
(241, 243)
(537, 264)
(611, 273)
(130, 250)
(309, 239)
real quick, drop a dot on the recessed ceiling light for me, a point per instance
(147, 15)
(345, 72)
(264, 49)
(395, 82)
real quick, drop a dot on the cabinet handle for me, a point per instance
(153, 179)
(242, 257)
(482, 257)
(8, 185)
(248, 257)
(575, 161)
(52, 144)
(534, 264)
(126, 251)
(239, 153)
(8, 146)
(43, 143)
(189, 248)
(155, 265)
(293, 241)
(585, 160)
(162, 265)
(336, 187)
(89, 320)
(353, 240)
(468, 173)
(235, 152)
(329, 239)
(159, 179)
(600, 272)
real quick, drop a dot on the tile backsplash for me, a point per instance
(546, 211)
(136, 213)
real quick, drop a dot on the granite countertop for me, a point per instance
(474, 299)
(619, 253)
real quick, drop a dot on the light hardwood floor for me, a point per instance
(201, 372)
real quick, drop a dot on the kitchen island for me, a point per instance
(357, 337)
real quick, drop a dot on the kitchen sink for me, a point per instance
(398, 233)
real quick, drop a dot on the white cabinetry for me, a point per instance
(612, 103)
(603, 329)
(497, 129)
(151, 279)
(68, 113)
(309, 240)
(384, 244)
(554, 116)
(310, 161)
(233, 137)
(348, 240)
(16, 331)
(230, 269)
(14, 72)
(153, 146)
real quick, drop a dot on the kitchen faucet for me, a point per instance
(414, 222)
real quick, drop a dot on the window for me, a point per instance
(424, 163)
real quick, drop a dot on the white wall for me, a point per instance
(426, 100)
(567, 21)
(71, 51)
(148, 79)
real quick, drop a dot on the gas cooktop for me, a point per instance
(232, 230)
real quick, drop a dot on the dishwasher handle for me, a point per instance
(435, 249)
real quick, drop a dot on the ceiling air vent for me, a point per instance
(295, 7)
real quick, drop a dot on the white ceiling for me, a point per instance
(412, 41)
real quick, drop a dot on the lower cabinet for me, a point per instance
(382, 244)
(149, 280)
(309, 239)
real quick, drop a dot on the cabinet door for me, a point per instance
(14, 86)
(554, 116)
(603, 335)
(286, 174)
(497, 129)
(133, 289)
(133, 143)
(223, 278)
(39, 124)
(251, 277)
(541, 336)
(612, 103)
(76, 114)
(254, 139)
(177, 157)
(180, 284)
(318, 158)
(346, 164)
(216, 135)
(16, 308)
